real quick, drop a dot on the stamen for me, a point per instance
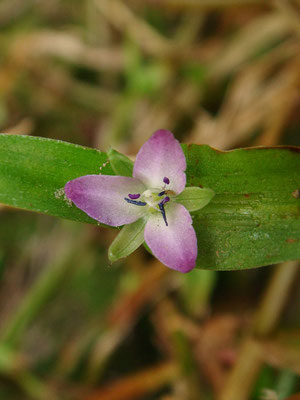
(161, 193)
(162, 210)
(134, 196)
(166, 180)
(166, 199)
(136, 203)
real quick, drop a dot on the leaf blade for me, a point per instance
(128, 240)
(253, 220)
(194, 198)
(34, 171)
(120, 164)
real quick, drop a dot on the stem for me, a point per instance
(247, 367)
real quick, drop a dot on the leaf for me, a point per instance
(34, 171)
(194, 198)
(121, 165)
(253, 220)
(196, 290)
(128, 240)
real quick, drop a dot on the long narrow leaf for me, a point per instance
(253, 220)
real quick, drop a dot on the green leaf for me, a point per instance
(253, 220)
(128, 240)
(121, 165)
(34, 171)
(194, 198)
(196, 290)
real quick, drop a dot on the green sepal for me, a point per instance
(120, 164)
(129, 239)
(193, 198)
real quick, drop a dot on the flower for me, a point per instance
(148, 204)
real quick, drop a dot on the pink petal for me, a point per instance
(102, 198)
(174, 245)
(159, 158)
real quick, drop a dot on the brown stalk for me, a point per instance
(134, 386)
(123, 317)
(70, 47)
(242, 377)
(116, 325)
(202, 5)
(124, 19)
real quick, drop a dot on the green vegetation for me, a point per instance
(95, 75)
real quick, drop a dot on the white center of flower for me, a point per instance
(155, 199)
(150, 196)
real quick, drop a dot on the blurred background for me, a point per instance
(106, 73)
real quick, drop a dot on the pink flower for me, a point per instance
(147, 202)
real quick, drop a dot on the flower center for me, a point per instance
(154, 198)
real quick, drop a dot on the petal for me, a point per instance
(194, 198)
(102, 198)
(174, 245)
(128, 240)
(161, 156)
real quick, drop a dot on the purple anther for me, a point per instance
(161, 193)
(166, 180)
(165, 200)
(134, 196)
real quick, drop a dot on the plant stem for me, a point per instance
(248, 365)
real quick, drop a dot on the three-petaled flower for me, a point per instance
(152, 204)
